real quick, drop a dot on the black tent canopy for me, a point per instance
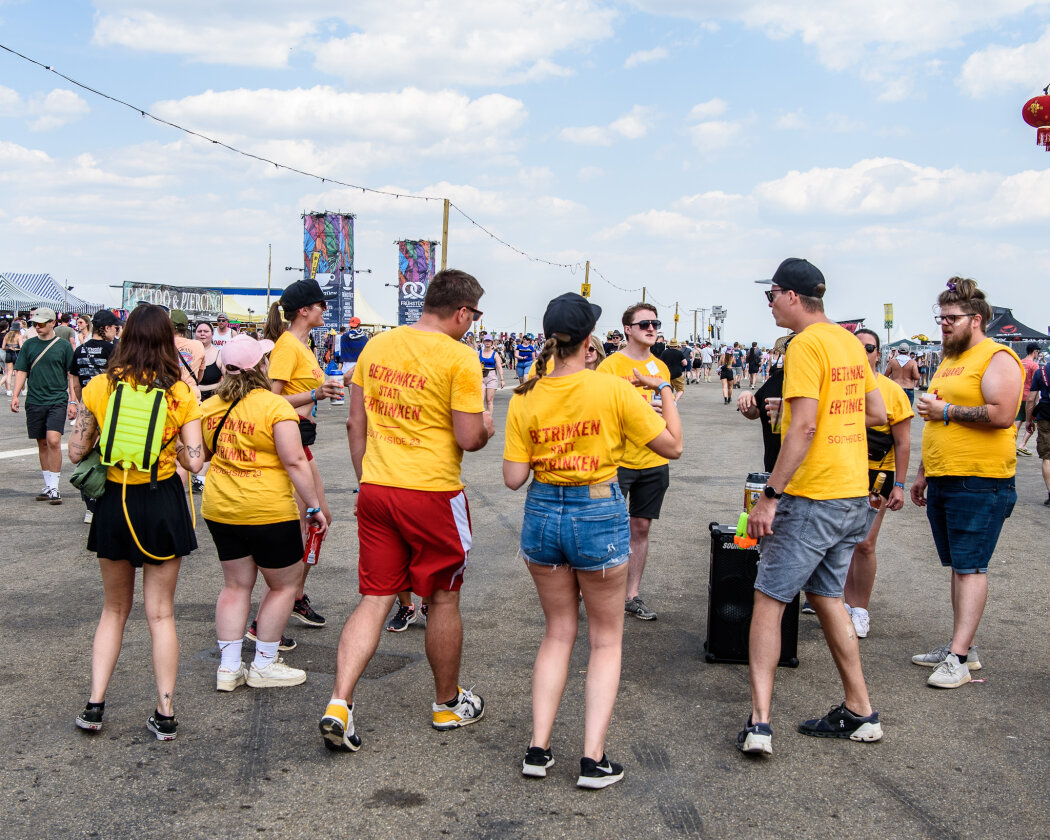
(1005, 326)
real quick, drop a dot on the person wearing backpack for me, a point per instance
(251, 513)
(142, 519)
(43, 361)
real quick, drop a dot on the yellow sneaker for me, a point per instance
(468, 708)
(337, 729)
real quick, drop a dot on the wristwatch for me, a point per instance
(770, 493)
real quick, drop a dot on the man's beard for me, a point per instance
(957, 344)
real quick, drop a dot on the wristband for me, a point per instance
(946, 407)
(663, 385)
(899, 484)
(311, 511)
(313, 395)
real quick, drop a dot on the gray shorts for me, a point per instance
(811, 546)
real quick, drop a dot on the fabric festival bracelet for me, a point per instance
(946, 407)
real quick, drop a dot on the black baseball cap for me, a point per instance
(302, 293)
(798, 275)
(105, 318)
(570, 315)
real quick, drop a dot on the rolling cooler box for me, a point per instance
(731, 591)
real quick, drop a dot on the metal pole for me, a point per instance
(269, 269)
(675, 336)
(444, 238)
(695, 335)
(643, 294)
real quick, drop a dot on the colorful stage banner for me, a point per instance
(414, 271)
(328, 257)
(196, 303)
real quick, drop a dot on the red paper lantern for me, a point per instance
(1036, 112)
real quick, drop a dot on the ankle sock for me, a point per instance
(231, 654)
(265, 653)
(159, 716)
(961, 657)
(100, 706)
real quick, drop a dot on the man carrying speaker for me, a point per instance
(814, 508)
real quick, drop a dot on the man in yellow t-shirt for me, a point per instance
(642, 474)
(814, 508)
(966, 477)
(416, 405)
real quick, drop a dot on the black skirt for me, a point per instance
(161, 518)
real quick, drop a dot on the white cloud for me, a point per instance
(590, 173)
(633, 125)
(369, 42)
(644, 57)
(10, 102)
(793, 120)
(705, 110)
(714, 135)
(998, 68)
(56, 109)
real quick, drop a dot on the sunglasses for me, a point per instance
(223, 321)
(647, 324)
(951, 319)
(772, 293)
(477, 312)
(323, 305)
(870, 348)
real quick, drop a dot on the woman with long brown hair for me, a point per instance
(139, 522)
(297, 376)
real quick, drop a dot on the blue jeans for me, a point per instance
(584, 527)
(966, 514)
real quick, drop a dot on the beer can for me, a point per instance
(753, 489)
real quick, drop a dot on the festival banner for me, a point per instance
(196, 303)
(328, 257)
(414, 272)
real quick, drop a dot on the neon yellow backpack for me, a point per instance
(132, 436)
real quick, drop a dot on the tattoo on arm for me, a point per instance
(193, 451)
(969, 413)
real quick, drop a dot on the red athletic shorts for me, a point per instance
(411, 539)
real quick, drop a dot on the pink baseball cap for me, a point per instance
(242, 352)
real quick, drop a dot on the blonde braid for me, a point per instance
(550, 349)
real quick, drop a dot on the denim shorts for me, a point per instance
(811, 546)
(566, 526)
(966, 514)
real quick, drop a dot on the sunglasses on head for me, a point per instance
(648, 324)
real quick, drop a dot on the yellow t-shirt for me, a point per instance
(413, 380)
(959, 448)
(898, 409)
(247, 483)
(572, 429)
(826, 362)
(182, 408)
(294, 363)
(618, 364)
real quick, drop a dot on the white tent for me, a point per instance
(369, 317)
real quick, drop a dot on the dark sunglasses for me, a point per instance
(223, 321)
(477, 312)
(323, 305)
(647, 324)
(772, 293)
(870, 348)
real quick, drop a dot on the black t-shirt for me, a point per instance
(772, 387)
(90, 359)
(658, 349)
(1041, 383)
(673, 358)
(610, 347)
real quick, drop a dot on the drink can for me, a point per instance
(313, 546)
(753, 489)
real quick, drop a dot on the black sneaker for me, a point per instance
(840, 722)
(755, 739)
(636, 607)
(306, 614)
(54, 497)
(90, 719)
(285, 643)
(165, 728)
(406, 614)
(595, 775)
(536, 762)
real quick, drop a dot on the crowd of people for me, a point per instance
(591, 427)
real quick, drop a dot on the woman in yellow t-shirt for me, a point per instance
(297, 376)
(860, 579)
(568, 427)
(146, 356)
(252, 436)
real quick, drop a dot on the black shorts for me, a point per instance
(887, 485)
(644, 489)
(41, 419)
(275, 545)
(161, 518)
(10, 356)
(307, 431)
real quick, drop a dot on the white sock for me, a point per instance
(47, 477)
(265, 653)
(51, 479)
(231, 654)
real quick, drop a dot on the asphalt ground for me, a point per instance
(972, 762)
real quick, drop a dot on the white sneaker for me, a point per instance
(469, 709)
(275, 675)
(8, 392)
(936, 656)
(861, 621)
(228, 680)
(88, 516)
(951, 673)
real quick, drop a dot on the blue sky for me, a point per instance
(684, 146)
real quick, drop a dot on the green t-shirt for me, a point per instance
(48, 382)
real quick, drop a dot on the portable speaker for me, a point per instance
(730, 599)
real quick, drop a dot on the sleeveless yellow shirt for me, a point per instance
(963, 448)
